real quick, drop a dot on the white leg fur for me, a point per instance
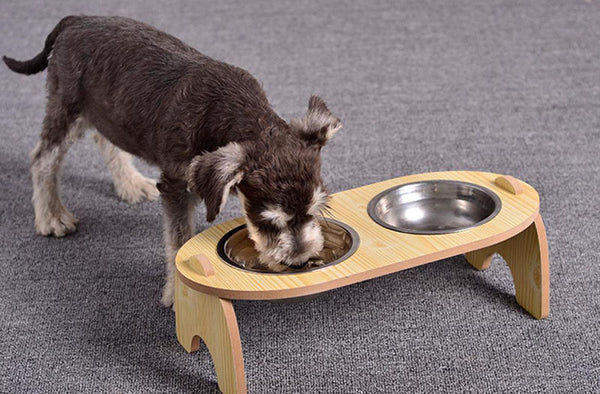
(177, 230)
(168, 293)
(51, 216)
(130, 185)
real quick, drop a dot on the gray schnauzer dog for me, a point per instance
(206, 124)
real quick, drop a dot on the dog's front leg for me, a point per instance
(178, 217)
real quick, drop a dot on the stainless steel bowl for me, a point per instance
(434, 207)
(341, 241)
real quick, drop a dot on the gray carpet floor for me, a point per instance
(508, 87)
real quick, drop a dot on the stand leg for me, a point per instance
(527, 256)
(211, 318)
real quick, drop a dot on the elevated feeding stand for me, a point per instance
(205, 283)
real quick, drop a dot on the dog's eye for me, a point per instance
(276, 215)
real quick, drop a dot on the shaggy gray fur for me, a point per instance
(206, 124)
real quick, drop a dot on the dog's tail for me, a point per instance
(40, 62)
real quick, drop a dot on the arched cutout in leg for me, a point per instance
(527, 257)
(211, 318)
(480, 259)
(194, 344)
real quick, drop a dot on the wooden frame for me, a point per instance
(527, 257)
(212, 319)
(205, 284)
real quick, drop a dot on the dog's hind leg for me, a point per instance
(61, 129)
(130, 185)
(178, 216)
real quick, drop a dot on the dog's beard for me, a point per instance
(280, 257)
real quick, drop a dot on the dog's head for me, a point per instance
(278, 180)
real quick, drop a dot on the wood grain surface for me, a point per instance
(381, 251)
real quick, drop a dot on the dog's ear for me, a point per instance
(212, 175)
(318, 125)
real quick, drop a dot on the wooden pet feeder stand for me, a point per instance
(206, 284)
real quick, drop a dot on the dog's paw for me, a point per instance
(58, 225)
(136, 189)
(168, 295)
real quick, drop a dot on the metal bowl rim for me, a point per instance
(375, 200)
(223, 255)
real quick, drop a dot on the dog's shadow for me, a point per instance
(336, 321)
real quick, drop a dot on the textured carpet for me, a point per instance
(508, 87)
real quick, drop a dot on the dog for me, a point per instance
(206, 124)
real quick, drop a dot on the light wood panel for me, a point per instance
(202, 264)
(199, 315)
(527, 257)
(381, 251)
(509, 183)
